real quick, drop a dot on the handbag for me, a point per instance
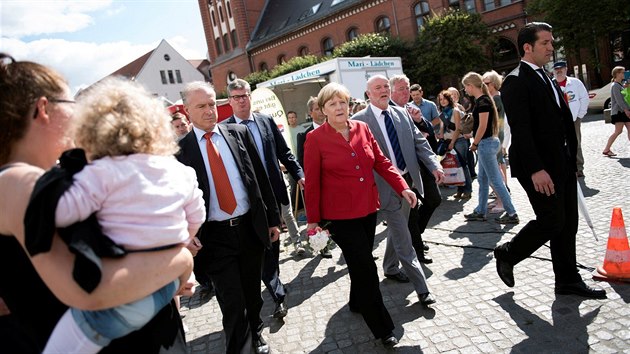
(466, 124)
(453, 170)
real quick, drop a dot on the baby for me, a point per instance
(143, 198)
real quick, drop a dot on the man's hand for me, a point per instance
(194, 246)
(414, 112)
(301, 182)
(410, 197)
(438, 174)
(543, 183)
(274, 233)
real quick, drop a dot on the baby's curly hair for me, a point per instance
(119, 117)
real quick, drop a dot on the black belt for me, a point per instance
(229, 222)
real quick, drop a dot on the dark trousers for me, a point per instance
(271, 271)
(232, 256)
(419, 217)
(355, 237)
(556, 221)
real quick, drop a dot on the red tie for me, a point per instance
(222, 186)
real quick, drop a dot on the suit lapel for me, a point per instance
(375, 128)
(232, 143)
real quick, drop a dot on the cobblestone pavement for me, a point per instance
(475, 312)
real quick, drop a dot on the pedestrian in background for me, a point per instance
(619, 109)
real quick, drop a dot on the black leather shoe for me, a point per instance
(399, 277)
(425, 246)
(281, 310)
(425, 259)
(325, 253)
(580, 289)
(260, 346)
(504, 269)
(427, 299)
(353, 309)
(389, 340)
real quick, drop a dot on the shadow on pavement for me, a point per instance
(566, 333)
(586, 190)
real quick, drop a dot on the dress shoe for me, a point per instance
(427, 299)
(389, 340)
(580, 289)
(260, 346)
(425, 246)
(325, 253)
(281, 310)
(399, 277)
(425, 259)
(504, 269)
(353, 309)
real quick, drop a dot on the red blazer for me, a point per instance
(339, 174)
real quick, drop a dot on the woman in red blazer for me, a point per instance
(339, 160)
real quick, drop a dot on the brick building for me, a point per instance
(244, 36)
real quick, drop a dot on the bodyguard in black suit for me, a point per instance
(271, 148)
(542, 158)
(233, 244)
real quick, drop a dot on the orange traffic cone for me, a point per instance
(617, 260)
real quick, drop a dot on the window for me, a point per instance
(454, 4)
(310, 12)
(328, 46)
(352, 33)
(488, 5)
(163, 75)
(505, 2)
(469, 5)
(171, 79)
(229, 9)
(226, 43)
(214, 21)
(335, 2)
(282, 58)
(504, 51)
(178, 76)
(221, 13)
(303, 51)
(234, 39)
(263, 66)
(421, 10)
(217, 44)
(382, 25)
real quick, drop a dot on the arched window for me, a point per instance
(282, 58)
(352, 33)
(217, 44)
(229, 9)
(328, 46)
(226, 43)
(303, 51)
(421, 11)
(383, 25)
(263, 66)
(504, 51)
(234, 39)
(214, 21)
(221, 13)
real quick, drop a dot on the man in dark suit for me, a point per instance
(318, 119)
(237, 231)
(271, 147)
(542, 157)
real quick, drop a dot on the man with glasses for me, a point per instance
(271, 147)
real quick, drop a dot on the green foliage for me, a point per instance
(448, 46)
(373, 44)
(295, 63)
(581, 23)
(257, 77)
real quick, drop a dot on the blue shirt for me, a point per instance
(238, 187)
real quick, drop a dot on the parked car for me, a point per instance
(599, 98)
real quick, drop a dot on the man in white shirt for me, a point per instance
(576, 96)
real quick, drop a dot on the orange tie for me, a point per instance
(225, 195)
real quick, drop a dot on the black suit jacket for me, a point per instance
(263, 208)
(301, 139)
(275, 148)
(543, 135)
